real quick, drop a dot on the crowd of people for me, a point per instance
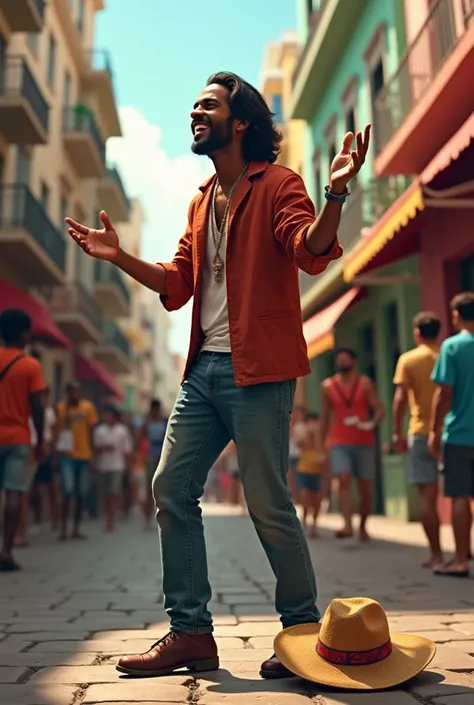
(65, 459)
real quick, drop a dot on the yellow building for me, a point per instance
(278, 66)
(57, 110)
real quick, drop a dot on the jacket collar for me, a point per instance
(254, 169)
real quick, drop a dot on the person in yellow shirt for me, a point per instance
(416, 390)
(309, 472)
(76, 419)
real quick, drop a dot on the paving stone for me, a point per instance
(122, 634)
(250, 629)
(466, 647)
(136, 691)
(13, 646)
(419, 623)
(261, 642)
(38, 660)
(445, 636)
(108, 646)
(73, 674)
(452, 659)
(262, 698)
(464, 699)
(39, 695)
(437, 683)
(51, 636)
(466, 628)
(242, 599)
(264, 609)
(385, 697)
(10, 674)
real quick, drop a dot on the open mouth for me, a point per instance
(199, 127)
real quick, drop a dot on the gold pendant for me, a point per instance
(217, 267)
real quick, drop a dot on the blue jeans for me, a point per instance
(210, 411)
(74, 477)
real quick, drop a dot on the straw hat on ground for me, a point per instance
(353, 648)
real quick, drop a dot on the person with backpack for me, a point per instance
(21, 396)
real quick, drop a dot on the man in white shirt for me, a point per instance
(113, 445)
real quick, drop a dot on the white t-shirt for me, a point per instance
(214, 314)
(49, 422)
(120, 438)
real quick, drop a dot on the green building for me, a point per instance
(350, 49)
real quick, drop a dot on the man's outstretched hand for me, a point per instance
(101, 244)
(349, 161)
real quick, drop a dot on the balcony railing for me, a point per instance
(113, 174)
(314, 21)
(80, 119)
(114, 336)
(75, 297)
(99, 60)
(107, 273)
(20, 209)
(17, 81)
(418, 67)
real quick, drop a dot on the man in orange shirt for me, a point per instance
(249, 230)
(21, 387)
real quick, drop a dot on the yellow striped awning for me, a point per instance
(394, 219)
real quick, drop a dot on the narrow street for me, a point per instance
(76, 607)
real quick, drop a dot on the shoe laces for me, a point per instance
(165, 640)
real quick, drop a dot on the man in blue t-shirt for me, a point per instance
(453, 403)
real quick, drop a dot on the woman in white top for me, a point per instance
(113, 446)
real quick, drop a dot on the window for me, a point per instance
(23, 167)
(318, 200)
(467, 274)
(392, 336)
(3, 51)
(63, 207)
(377, 77)
(33, 40)
(44, 196)
(67, 90)
(51, 60)
(58, 381)
(277, 107)
(330, 135)
(375, 59)
(81, 16)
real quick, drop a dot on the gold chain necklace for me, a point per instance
(218, 233)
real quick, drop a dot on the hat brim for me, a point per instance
(295, 647)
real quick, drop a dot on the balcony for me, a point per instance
(99, 88)
(24, 113)
(83, 142)
(112, 197)
(114, 350)
(111, 290)
(77, 313)
(24, 15)
(29, 242)
(330, 31)
(362, 210)
(427, 99)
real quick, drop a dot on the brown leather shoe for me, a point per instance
(273, 668)
(175, 650)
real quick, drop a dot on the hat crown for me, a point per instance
(355, 624)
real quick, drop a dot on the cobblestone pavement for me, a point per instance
(76, 607)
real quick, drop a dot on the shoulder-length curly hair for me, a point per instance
(262, 138)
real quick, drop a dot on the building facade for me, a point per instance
(57, 110)
(407, 227)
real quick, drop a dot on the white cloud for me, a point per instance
(165, 187)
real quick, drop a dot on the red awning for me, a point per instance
(450, 152)
(90, 370)
(318, 330)
(43, 324)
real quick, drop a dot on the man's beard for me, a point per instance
(217, 138)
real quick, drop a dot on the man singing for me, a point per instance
(249, 230)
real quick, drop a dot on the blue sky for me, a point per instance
(162, 55)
